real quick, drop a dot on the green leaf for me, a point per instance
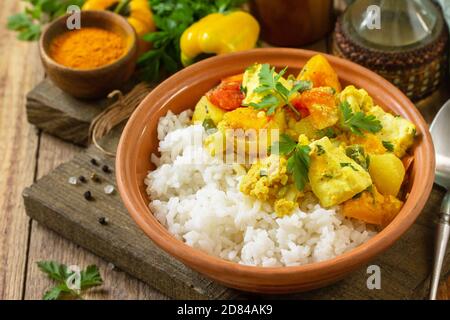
(298, 165)
(54, 270)
(266, 102)
(358, 122)
(18, 21)
(282, 90)
(388, 145)
(90, 277)
(285, 145)
(52, 294)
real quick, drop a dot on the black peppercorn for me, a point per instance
(88, 196)
(94, 162)
(103, 220)
(82, 179)
(106, 169)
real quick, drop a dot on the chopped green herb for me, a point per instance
(209, 125)
(327, 132)
(327, 176)
(346, 164)
(89, 277)
(320, 150)
(388, 145)
(356, 152)
(357, 122)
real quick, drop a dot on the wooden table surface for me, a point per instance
(28, 154)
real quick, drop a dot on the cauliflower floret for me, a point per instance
(265, 178)
(358, 99)
(287, 200)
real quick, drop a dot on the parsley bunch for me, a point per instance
(89, 277)
(299, 160)
(357, 122)
(275, 93)
(28, 24)
(172, 17)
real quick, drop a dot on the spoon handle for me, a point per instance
(443, 233)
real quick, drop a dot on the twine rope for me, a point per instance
(115, 114)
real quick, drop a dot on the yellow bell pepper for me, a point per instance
(219, 33)
(140, 16)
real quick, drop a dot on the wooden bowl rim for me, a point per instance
(208, 264)
(113, 18)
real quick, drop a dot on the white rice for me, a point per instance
(197, 198)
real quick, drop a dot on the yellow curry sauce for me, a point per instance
(336, 146)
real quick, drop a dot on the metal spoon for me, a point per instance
(440, 131)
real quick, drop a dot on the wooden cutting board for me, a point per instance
(52, 201)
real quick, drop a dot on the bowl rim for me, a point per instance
(116, 19)
(194, 257)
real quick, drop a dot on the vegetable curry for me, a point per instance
(335, 145)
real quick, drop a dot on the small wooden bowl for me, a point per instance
(98, 82)
(182, 91)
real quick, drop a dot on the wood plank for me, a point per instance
(60, 206)
(61, 115)
(47, 245)
(20, 70)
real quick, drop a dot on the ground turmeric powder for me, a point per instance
(87, 48)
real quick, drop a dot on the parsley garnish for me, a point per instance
(89, 277)
(357, 122)
(299, 160)
(275, 93)
(388, 145)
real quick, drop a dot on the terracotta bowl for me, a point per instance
(182, 90)
(98, 82)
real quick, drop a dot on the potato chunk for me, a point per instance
(205, 109)
(387, 173)
(335, 177)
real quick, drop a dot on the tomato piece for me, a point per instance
(301, 107)
(227, 95)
